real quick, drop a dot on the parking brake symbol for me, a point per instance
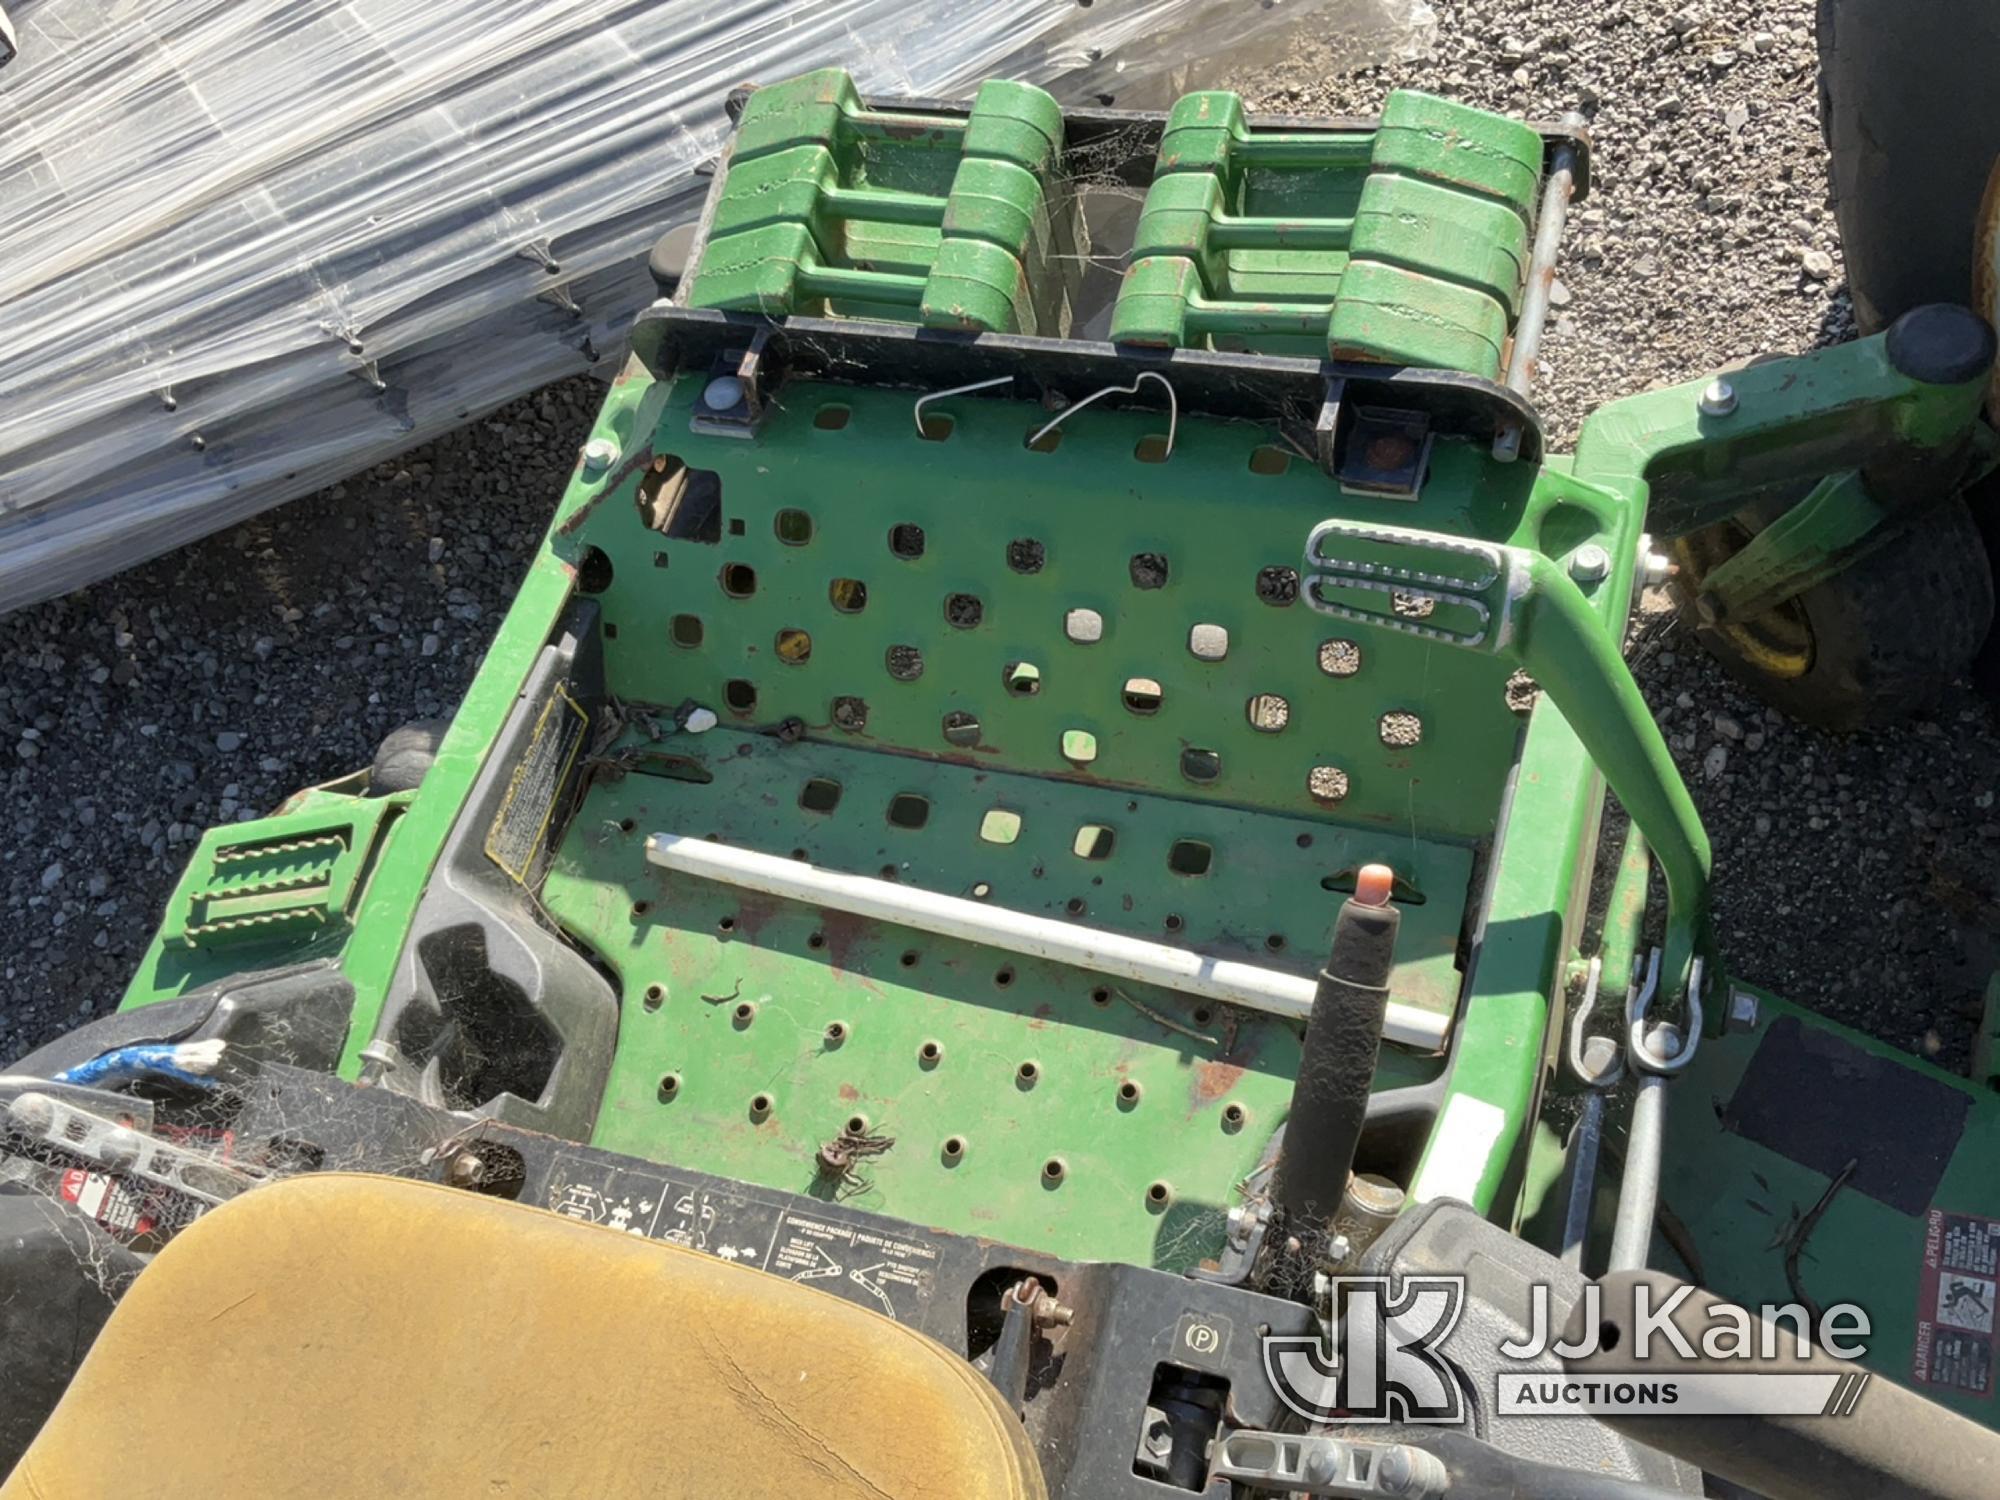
(1203, 1337)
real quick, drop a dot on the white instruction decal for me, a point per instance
(884, 1269)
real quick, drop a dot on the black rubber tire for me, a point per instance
(406, 756)
(1888, 634)
(1907, 106)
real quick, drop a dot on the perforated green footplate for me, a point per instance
(925, 1038)
(1073, 680)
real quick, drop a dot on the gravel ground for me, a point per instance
(1857, 874)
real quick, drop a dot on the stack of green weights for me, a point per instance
(1407, 245)
(832, 209)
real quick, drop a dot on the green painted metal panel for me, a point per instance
(1537, 894)
(939, 633)
(688, 953)
(1741, 1199)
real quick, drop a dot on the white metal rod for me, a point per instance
(1112, 953)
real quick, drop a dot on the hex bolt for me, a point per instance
(467, 1170)
(1159, 1437)
(599, 454)
(1321, 1466)
(1718, 399)
(1742, 1011)
(724, 393)
(1590, 563)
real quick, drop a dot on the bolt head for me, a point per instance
(1321, 1466)
(1663, 1042)
(1590, 563)
(119, 1150)
(599, 454)
(32, 1114)
(1742, 1011)
(724, 393)
(1159, 1437)
(1718, 399)
(1393, 1470)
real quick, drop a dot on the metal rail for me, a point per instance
(1113, 953)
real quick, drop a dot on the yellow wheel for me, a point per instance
(1874, 642)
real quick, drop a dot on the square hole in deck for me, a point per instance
(908, 810)
(1083, 626)
(1093, 841)
(820, 795)
(1190, 857)
(1268, 712)
(1000, 826)
(1209, 642)
(1142, 695)
(681, 503)
(1339, 658)
(1200, 765)
(1023, 679)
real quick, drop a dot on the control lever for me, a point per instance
(1336, 1073)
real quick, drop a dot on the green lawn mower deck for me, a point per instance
(902, 835)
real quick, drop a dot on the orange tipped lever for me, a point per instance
(1373, 885)
(1336, 1073)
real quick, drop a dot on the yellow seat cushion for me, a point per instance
(333, 1336)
